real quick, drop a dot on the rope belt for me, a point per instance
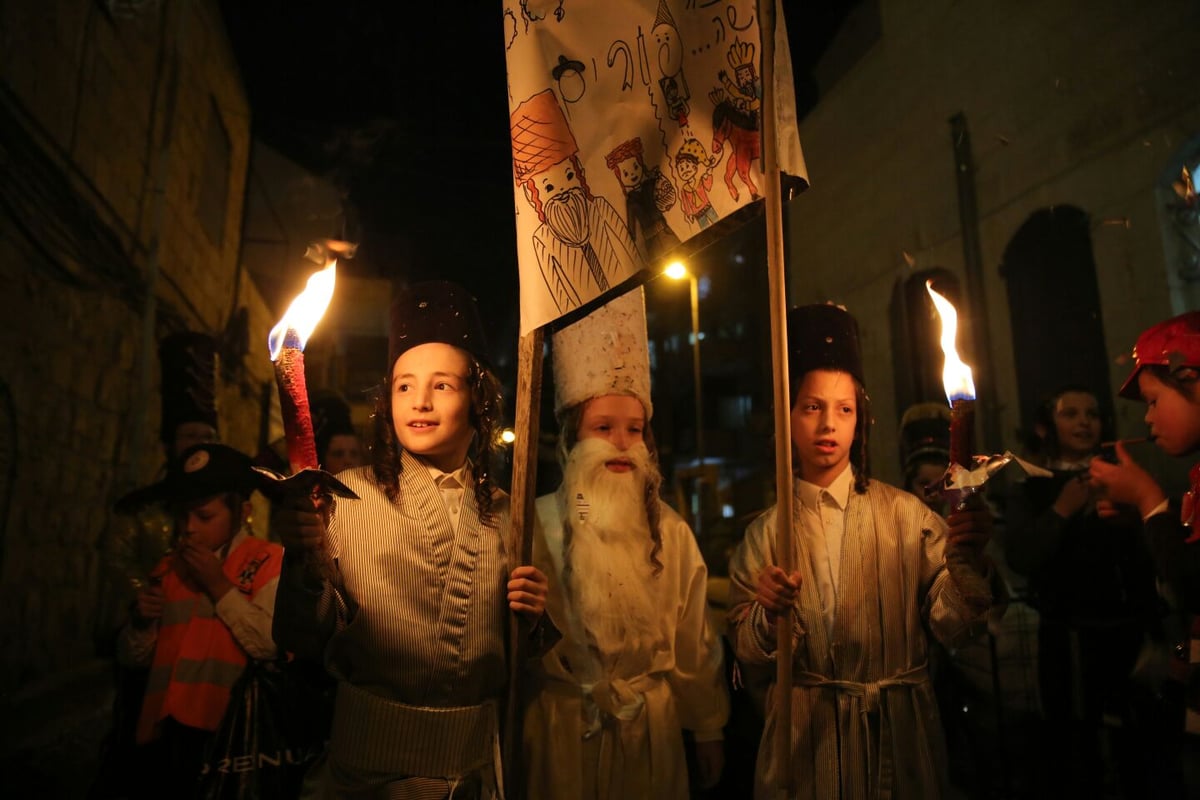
(871, 694)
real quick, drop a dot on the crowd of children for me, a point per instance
(403, 593)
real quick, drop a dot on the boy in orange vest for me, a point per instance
(207, 609)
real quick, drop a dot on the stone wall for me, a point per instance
(1067, 103)
(98, 265)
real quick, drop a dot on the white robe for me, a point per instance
(864, 718)
(621, 736)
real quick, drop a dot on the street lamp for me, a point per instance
(677, 271)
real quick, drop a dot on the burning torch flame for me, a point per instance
(956, 376)
(304, 313)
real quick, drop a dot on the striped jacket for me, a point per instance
(412, 624)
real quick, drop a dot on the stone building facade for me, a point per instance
(1074, 114)
(124, 141)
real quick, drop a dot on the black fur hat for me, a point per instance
(823, 336)
(435, 311)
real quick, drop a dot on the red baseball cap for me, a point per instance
(1174, 343)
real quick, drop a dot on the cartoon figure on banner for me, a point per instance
(539, 10)
(648, 193)
(583, 247)
(568, 74)
(694, 168)
(736, 114)
(670, 63)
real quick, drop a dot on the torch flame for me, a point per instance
(956, 376)
(305, 311)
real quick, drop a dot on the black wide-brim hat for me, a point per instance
(823, 336)
(201, 471)
(435, 311)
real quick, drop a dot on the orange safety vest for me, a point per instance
(196, 659)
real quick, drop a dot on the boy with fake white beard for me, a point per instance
(876, 571)
(638, 662)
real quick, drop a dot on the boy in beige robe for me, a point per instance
(877, 573)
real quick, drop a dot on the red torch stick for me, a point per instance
(286, 344)
(962, 432)
(293, 402)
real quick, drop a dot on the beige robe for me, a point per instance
(619, 735)
(864, 718)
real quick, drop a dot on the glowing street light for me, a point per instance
(677, 271)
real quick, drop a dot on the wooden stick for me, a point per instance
(782, 399)
(527, 426)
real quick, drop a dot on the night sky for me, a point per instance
(404, 106)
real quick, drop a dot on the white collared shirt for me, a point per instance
(451, 486)
(822, 525)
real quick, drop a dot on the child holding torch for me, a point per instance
(873, 574)
(410, 615)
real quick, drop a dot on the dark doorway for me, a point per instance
(1054, 308)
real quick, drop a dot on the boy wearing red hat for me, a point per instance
(409, 611)
(1166, 375)
(876, 572)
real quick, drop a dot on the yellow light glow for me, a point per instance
(676, 271)
(957, 379)
(508, 436)
(305, 311)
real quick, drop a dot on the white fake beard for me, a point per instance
(609, 553)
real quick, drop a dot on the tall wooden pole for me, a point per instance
(782, 396)
(527, 426)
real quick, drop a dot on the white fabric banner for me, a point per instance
(635, 126)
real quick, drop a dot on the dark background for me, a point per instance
(404, 106)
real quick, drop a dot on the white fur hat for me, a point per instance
(604, 353)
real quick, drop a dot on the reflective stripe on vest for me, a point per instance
(196, 659)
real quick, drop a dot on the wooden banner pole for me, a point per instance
(524, 492)
(777, 270)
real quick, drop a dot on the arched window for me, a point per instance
(1179, 217)
(1054, 308)
(916, 331)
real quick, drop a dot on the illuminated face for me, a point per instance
(190, 433)
(344, 452)
(824, 417)
(210, 523)
(631, 172)
(619, 419)
(556, 180)
(1174, 418)
(431, 404)
(1077, 425)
